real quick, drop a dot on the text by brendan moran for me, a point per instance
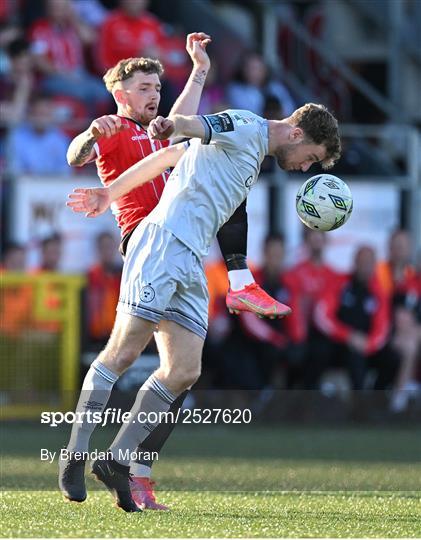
(123, 454)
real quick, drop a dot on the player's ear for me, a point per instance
(120, 97)
(296, 135)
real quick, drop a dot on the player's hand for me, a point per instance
(91, 201)
(196, 44)
(161, 128)
(107, 126)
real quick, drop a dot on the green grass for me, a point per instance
(229, 482)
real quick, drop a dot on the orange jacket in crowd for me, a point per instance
(103, 290)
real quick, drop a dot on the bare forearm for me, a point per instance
(146, 170)
(188, 126)
(80, 149)
(189, 99)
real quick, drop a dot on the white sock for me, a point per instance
(240, 278)
(96, 390)
(138, 469)
(153, 397)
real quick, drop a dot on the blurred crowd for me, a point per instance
(365, 324)
(52, 65)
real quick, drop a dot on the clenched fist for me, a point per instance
(107, 126)
(161, 128)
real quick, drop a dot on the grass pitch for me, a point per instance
(220, 481)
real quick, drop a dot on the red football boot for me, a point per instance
(143, 494)
(255, 300)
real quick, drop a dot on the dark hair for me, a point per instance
(126, 68)
(319, 127)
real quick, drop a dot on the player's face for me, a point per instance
(299, 156)
(140, 96)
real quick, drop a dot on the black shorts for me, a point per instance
(125, 241)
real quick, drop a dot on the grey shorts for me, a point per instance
(163, 279)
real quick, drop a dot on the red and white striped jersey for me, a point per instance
(114, 156)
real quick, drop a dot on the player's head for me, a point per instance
(364, 263)
(41, 114)
(315, 242)
(59, 11)
(106, 248)
(312, 136)
(133, 8)
(136, 87)
(274, 253)
(400, 247)
(51, 251)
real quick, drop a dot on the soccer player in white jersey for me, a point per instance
(163, 281)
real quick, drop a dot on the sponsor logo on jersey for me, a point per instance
(221, 123)
(141, 137)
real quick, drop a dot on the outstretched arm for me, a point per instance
(189, 99)
(176, 126)
(95, 201)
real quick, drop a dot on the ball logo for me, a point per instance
(147, 294)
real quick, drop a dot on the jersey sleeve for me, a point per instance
(105, 145)
(231, 129)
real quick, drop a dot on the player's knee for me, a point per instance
(180, 377)
(119, 361)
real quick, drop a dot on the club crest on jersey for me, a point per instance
(221, 123)
(147, 293)
(249, 182)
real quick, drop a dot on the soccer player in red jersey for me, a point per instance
(118, 141)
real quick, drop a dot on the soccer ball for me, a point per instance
(324, 202)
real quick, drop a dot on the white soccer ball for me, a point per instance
(324, 202)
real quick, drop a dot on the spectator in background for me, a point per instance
(306, 280)
(399, 280)
(253, 85)
(51, 253)
(103, 289)
(354, 318)
(57, 43)
(36, 146)
(130, 31)
(268, 339)
(395, 273)
(16, 300)
(17, 83)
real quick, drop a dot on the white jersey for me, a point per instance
(212, 178)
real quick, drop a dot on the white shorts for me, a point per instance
(163, 279)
